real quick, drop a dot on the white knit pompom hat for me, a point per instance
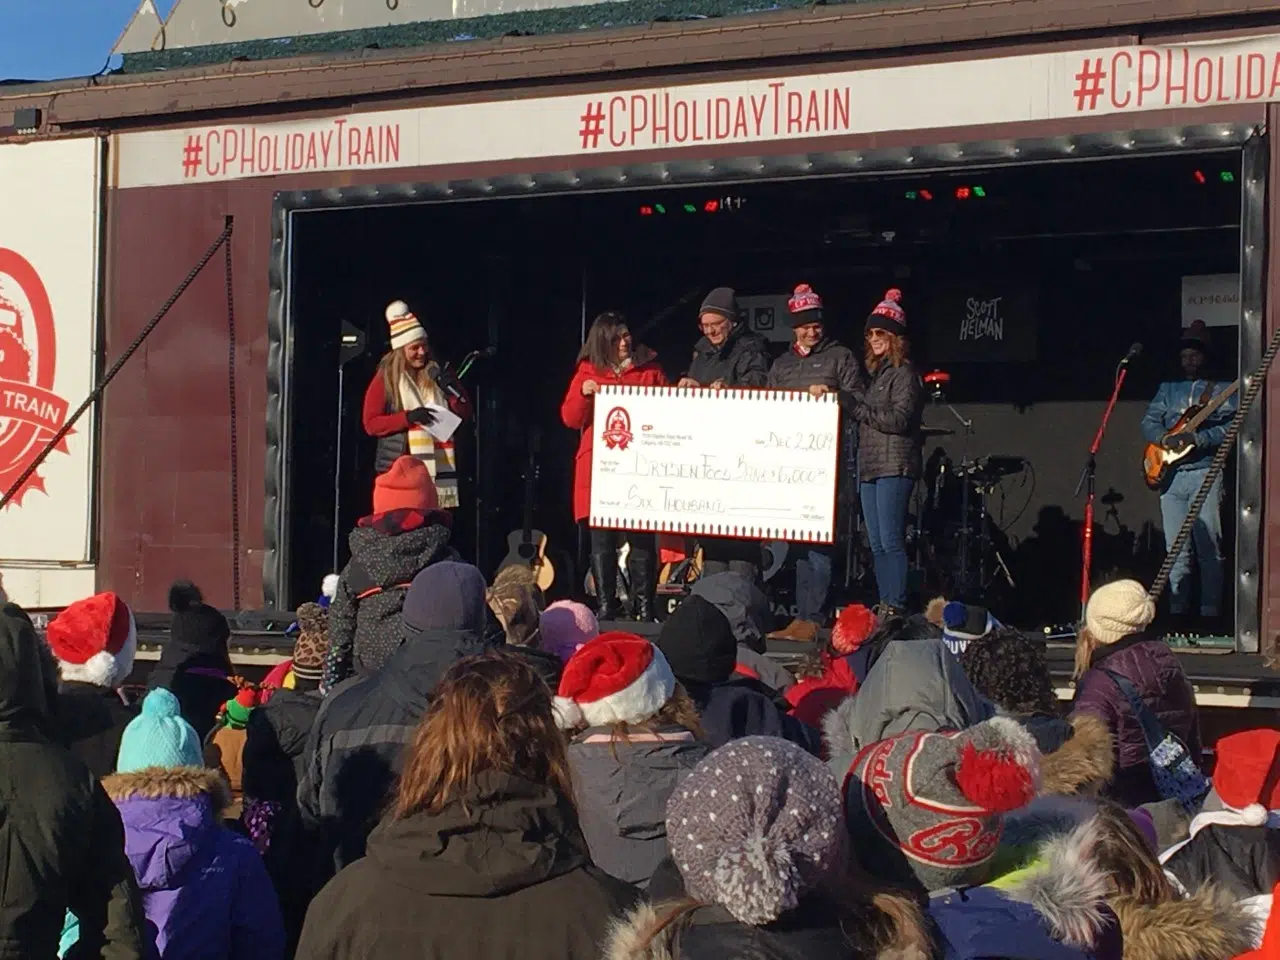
(1118, 610)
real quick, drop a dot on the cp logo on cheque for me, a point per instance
(30, 413)
(617, 429)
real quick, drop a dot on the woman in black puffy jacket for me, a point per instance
(888, 414)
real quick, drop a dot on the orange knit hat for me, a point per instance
(406, 486)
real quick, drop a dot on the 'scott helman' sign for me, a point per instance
(754, 464)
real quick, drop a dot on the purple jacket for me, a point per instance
(1151, 667)
(204, 888)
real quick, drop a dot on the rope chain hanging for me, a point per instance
(235, 432)
(57, 438)
(1216, 465)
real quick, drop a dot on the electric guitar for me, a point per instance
(528, 546)
(1158, 460)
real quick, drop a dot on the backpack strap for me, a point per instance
(1153, 730)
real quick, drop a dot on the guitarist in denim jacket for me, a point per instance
(1171, 401)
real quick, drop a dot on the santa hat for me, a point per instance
(94, 641)
(405, 327)
(328, 589)
(963, 623)
(805, 306)
(888, 314)
(930, 805)
(853, 625)
(615, 678)
(1247, 775)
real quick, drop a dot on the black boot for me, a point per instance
(604, 571)
(644, 581)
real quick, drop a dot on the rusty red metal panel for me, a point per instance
(166, 467)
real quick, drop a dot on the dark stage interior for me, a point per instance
(1027, 284)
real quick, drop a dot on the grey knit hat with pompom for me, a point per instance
(756, 826)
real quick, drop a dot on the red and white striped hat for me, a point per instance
(405, 327)
(615, 678)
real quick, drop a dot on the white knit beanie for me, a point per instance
(1118, 610)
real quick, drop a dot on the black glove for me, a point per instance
(421, 417)
(1180, 442)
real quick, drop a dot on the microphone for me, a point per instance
(488, 353)
(1135, 351)
(433, 371)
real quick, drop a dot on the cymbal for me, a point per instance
(936, 432)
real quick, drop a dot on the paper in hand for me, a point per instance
(446, 422)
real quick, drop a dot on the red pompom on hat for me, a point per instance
(1247, 774)
(889, 315)
(94, 641)
(615, 678)
(854, 624)
(805, 306)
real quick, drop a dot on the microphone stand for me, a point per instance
(965, 470)
(1088, 480)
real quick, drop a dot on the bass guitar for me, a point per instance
(527, 546)
(1159, 459)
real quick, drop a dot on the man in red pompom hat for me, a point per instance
(94, 641)
(818, 365)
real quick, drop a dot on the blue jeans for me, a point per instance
(1206, 535)
(813, 580)
(884, 510)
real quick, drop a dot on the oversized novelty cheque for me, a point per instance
(755, 464)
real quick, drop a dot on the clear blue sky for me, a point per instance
(51, 39)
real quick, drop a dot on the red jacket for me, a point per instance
(813, 698)
(379, 422)
(577, 411)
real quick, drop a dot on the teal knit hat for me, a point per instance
(159, 737)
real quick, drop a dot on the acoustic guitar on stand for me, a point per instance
(528, 546)
(1159, 459)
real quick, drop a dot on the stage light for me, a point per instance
(1226, 176)
(926, 195)
(979, 192)
(963, 193)
(1200, 177)
(646, 211)
(660, 208)
(912, 195)
(690, 208)
(711, 206)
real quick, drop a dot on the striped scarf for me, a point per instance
(439, 456)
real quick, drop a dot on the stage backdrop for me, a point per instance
(759, 464)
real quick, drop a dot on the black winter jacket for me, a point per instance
(829, 364)
(743, 707)
(888, 413)
(1243, 861)
(363, 634)
(741, 361)
(91, 721)
(275, 754)
(503, 872)
(355, 749)
(61, 838)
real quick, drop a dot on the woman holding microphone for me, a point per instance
(609, 357)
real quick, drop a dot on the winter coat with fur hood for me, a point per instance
(1063, 872)
(204, 888)
(814, 930)
(387, 551)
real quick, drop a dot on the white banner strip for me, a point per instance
(1044, 86)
